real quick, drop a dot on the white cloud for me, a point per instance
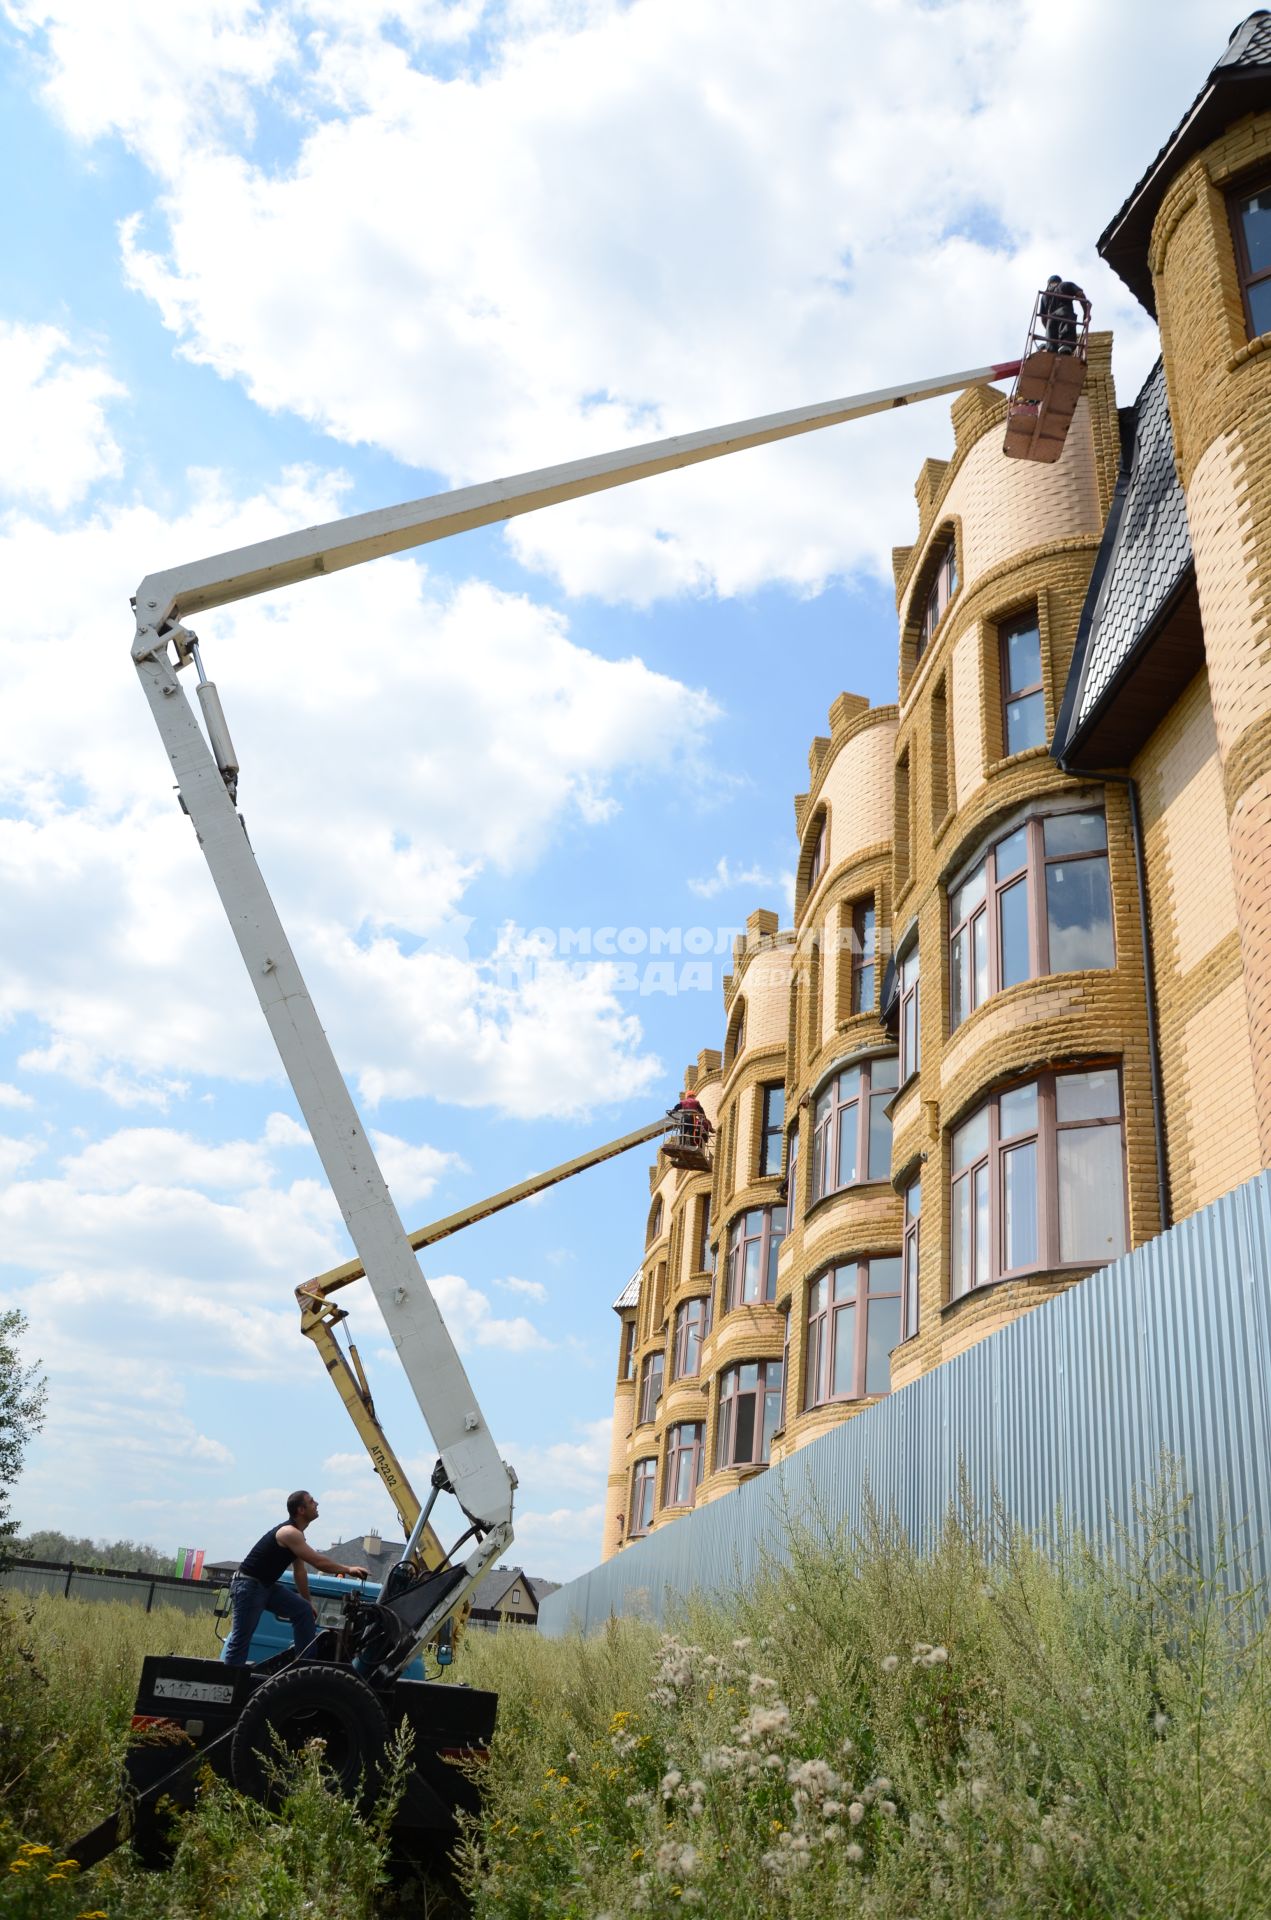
(531, 1289)
(576, 1466)
(15, 1154)
(559, 1543)
(113, 68)
(412, 1171)
(11, 1096)
(56, 442)
(553, 1039)
(471, 733)
(473, 1322)
(724, 877)
(726, 249)
(160, 1157)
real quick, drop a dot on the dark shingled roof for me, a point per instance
(1239, 83)
(1144, 560)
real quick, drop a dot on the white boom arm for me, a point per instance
(206, 779)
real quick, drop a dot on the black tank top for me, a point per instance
(267, 1561)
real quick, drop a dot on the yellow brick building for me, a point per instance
(1021, 1021)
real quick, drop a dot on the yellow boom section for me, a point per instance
(319, 1318)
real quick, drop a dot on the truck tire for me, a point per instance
(311, 1701)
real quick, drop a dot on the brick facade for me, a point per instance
(902, 802)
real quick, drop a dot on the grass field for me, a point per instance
(863, 1733)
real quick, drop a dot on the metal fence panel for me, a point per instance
(191, 1596)
(1063, 1415)
(32, 1580)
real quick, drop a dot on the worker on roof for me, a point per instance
(257, 1584)
(1059, 314)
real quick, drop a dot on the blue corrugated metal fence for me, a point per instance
(1068, 1411)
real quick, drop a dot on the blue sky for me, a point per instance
(264, 265)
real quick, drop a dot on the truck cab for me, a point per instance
(328, 1593)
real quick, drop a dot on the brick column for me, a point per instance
(1219, 385)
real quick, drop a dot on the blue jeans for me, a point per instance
(249, 1599)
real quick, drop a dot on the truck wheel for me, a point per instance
(311, 1702)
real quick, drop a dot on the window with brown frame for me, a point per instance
(910, 1029)
(736, 1040)
(820, 848)
(1250, 210)
(650, 1387)
(940, 755)
(626, 1352)
(1023, 695)
(1038, 902)
(864, 953)
(771, 1120)
(813, 1005)
(942, 589)
(657, 1310)
(853, 1324)
(851, 1138)
(909, 1260)
(901, 822)
(1038, 1180)
(754, 1241)
(685, 1459)
(704, 1258)
(643, 1486)
(692, 1324)
(749, 1412)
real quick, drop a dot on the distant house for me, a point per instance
(370, 1551)
(506, 1596)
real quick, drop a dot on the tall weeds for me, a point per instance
(990, 1728)
(987, 1729)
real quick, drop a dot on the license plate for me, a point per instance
(209, 1692)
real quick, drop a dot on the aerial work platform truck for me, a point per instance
(348, 1688)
